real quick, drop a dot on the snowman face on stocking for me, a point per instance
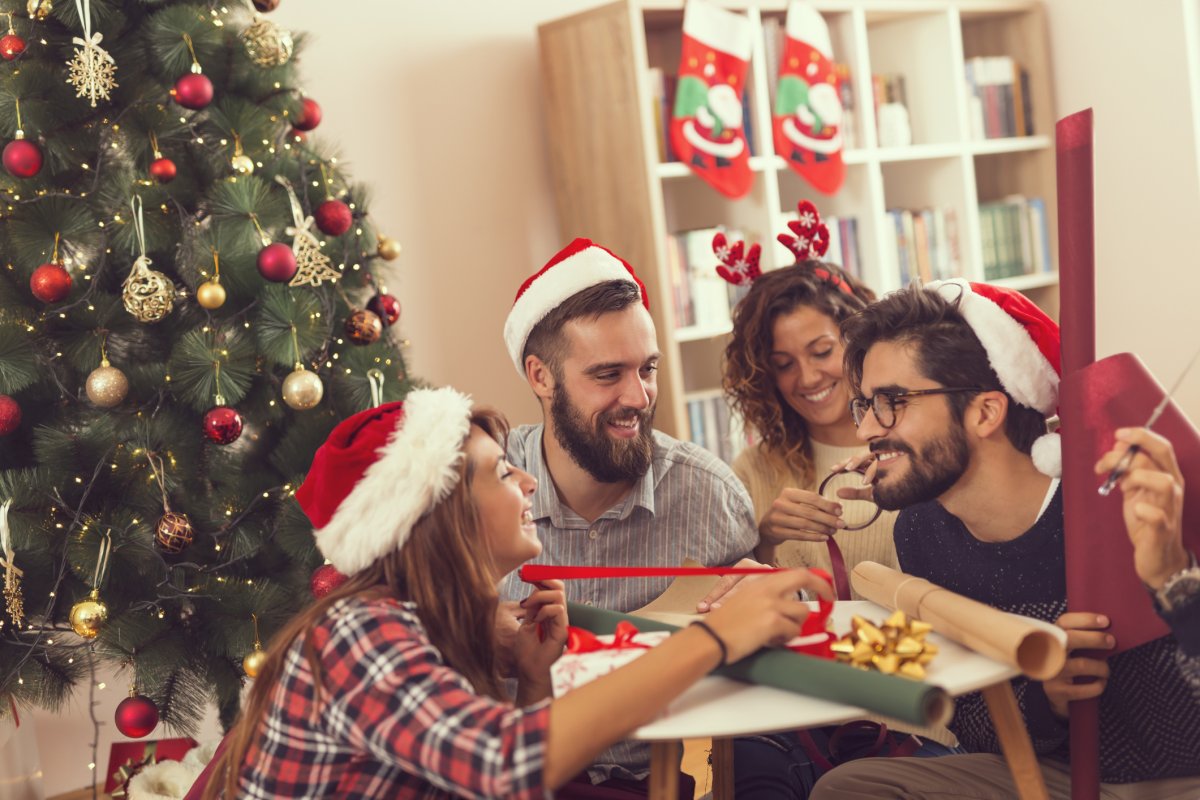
(706, 125)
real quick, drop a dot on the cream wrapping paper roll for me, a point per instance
(1008, 638)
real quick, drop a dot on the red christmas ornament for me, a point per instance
(325, 579)
(136, 716)
(194, 91)
(10, 415)
(222, 424)
(266, 5)
(11, 46)
(333, 217)
(162, 169)
(22, 158)
(310, 115)
(386, 307)
(50, 283)
(277, 262)
(298, 136)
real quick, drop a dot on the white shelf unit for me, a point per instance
(611, 187)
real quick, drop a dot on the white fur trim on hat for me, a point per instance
(415, 471)
(1022, 369)
(1047, 454)
(573, 274)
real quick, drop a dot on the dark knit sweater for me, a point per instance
(1150, 710)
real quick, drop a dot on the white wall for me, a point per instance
(1132, 66)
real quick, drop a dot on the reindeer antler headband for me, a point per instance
(808, 240)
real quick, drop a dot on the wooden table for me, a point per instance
(723, 709)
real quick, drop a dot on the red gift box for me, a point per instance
(127, 758)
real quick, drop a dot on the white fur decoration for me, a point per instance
(573, 274)
(1047, 454)
(1025, 373)
(165, 780)
(416, 470)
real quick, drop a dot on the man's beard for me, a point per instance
(605, 458)
(938, 467)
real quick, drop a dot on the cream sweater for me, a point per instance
(765, 483)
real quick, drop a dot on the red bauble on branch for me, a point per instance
(10, 415)
(325, 579)
(22, 158)
(277, 262)
(310, 115)
(11, 46)
(50, 283)
(222, 425)
(136, 716)
(162, 169)
(386, 307)
(333, 217)
(194, 91)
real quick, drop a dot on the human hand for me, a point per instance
(1152, 505)
(542, 632)
(765, 611)
(508, 622)
(726, 585)
(1084, 632)
(800, 515)
(866, 464)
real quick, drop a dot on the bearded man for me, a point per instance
(612, 491)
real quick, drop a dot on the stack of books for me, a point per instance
(998, 97)
(1015, 236)
(926, 242)
(714, 426)
(699, 296)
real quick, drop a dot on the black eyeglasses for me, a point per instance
(884, 404)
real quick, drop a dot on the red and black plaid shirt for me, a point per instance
(394, 721)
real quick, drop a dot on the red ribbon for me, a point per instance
(817, 622)
(581, 640)
(532, 573)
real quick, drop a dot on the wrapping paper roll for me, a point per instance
(911, 701)
(1007, 638)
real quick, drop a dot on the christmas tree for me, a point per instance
(187, 309)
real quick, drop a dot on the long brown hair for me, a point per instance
(443, 568)
(748, 376)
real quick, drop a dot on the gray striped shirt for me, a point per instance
(689, 505)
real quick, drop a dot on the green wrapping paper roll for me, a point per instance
(907, 700)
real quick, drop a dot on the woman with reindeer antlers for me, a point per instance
(783, 373)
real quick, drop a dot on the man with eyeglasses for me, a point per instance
(953, 383)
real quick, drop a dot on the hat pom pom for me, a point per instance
(1047, 455)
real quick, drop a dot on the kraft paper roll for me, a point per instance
(1005, 637)
(910, 701)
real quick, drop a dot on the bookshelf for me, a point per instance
(610, 185)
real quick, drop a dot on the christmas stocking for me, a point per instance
(706, 126)
(808, 109)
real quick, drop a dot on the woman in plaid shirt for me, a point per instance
(389, 686)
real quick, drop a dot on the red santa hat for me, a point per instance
(380, 471)
(1022, 346)
(578, 266)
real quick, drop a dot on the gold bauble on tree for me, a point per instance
(254, 661)
(267, 44)
(174, 532)
(302, 389)
(147, 294)
(106, 386)
(89, 615)
(388, 248)
(242, 164)
(210, 294)
(38, 9)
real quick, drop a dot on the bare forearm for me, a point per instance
(594, 716)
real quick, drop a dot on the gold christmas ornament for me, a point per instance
(91, 70)
(897, 647)
(242, 164)
(267, 44)
(147, 294)
(302, 389)
(174, 532)
(256, 659)
(38, 9)
(89, 615)
(210, 294)
(312, 266)
(387, 248)
(107, 386)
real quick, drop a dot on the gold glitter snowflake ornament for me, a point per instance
(91, 69)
